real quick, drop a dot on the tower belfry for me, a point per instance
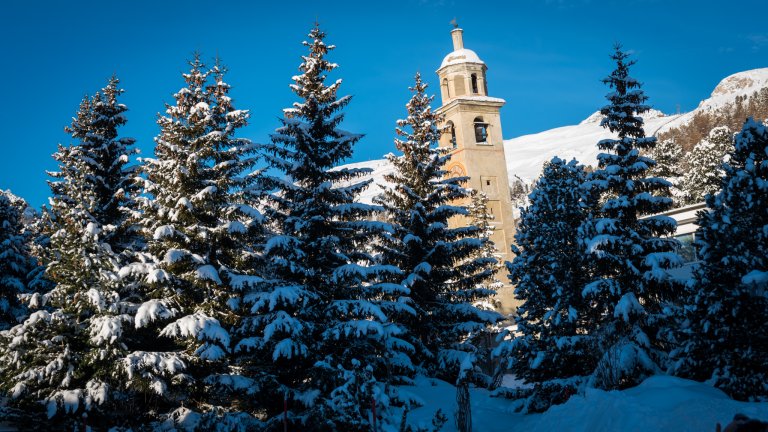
(473, 136)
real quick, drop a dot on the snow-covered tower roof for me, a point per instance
(462, 73)
(459, 54)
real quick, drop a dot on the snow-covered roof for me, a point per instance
(459, 56)
(481, 98)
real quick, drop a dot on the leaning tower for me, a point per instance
(473, 135)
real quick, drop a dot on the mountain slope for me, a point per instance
(737, 97)
(526, 154)
(741, 84)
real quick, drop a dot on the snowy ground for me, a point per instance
(4, 426)
(661, 403)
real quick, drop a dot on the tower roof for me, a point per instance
(459, 54)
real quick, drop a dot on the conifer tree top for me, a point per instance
(310, 143)
(422, 135)
(310, 83)
(417, 135)
(627, 100)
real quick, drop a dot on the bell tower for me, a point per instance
(473, 137)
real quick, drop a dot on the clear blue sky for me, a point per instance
(546, 58)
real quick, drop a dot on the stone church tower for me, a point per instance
(473, 135)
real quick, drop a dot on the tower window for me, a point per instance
(481, 131)
(452, 129)
(474, 84)
(488, 185)
(446, 88)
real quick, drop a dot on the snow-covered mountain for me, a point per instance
(380, 168)
(739, 84)
(526, 154)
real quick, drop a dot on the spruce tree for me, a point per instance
(444, 267)
(705, 162)
(37, 229)
(549, 273)
(198, 223)
(726, 339)
(16, 263)
(480, 216)
(631, 288)
(668, 156)
(67, 354)
(320, 325)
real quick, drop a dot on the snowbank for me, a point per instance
(660, 403)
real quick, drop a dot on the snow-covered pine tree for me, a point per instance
(480, 216)
(704, 166)
(552, 350)
(668, 156)
(67, 354)
(320, 319)
(727, 337)
(519, 191)
(631, 288)
(444, 267)
(198, 225)
(109, 157)
(16, 263)
(37, 233)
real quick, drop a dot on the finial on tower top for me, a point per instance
(456, 35)
(455, 23)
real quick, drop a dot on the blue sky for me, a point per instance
(546, 58)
